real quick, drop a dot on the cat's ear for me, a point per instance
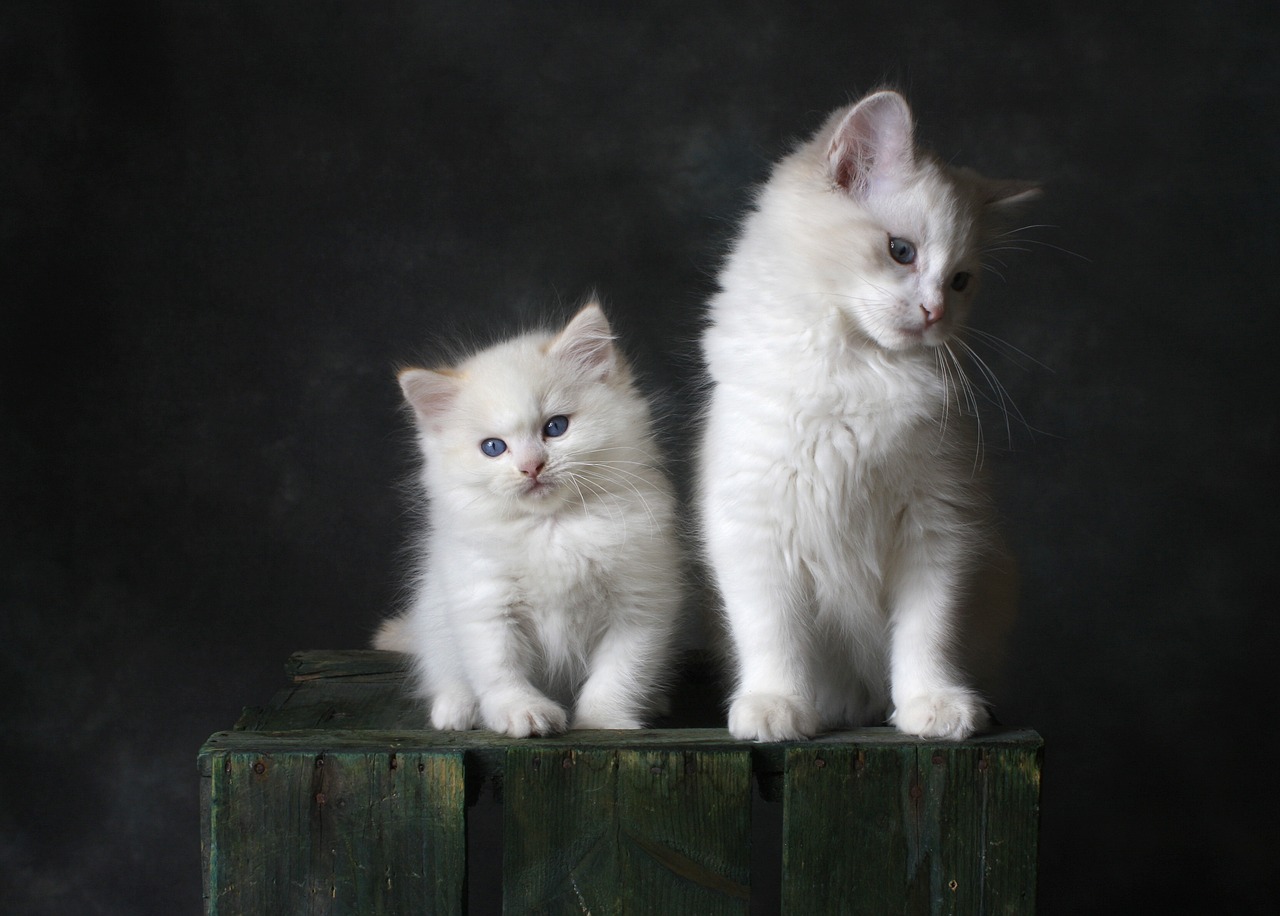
(1008, 192)
(873, 147)
(586, 343)
(429, 392)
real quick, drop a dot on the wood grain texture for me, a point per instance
(911, 828)
(626, 831)
(333, 798)
(341, 832)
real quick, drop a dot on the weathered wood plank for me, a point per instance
(345, 832)
(911, 827)
(886, 823)
(626, 830)
(348, 664)
(489, 749)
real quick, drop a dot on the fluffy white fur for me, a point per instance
(549, 581)
(843, 524)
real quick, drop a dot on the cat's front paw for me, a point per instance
(772, 717)
(587, 720)
(952, 714)
(526, 716)
(453, 712)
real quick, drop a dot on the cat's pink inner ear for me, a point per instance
(428, 392)
(874, 145)
(587, 342)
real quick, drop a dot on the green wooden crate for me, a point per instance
(334, 799)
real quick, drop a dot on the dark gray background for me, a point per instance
(223, 225)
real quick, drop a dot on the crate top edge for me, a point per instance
(487, 744)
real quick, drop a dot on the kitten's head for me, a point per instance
(904, 231)
(534, 424)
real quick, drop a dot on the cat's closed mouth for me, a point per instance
(539, 487)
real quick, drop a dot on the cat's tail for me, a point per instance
(393, 635)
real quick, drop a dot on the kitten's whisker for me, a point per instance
(1005, 401)
(1024, 229)
(999, 344)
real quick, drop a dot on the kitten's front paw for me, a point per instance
(453, 712)
(586, 720)
(952, 714)
(772, 717)
(526, 716)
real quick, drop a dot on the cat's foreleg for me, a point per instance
(929, 695)
(440, 678)
(772, 700)
(627, 667)
(499, 657)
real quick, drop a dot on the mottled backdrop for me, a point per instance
(223, 225)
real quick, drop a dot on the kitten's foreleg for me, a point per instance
(929, 696)
(773, 700)
(626, 668)
(499, 661)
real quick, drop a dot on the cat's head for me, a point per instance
(532, 424)
(915, 226)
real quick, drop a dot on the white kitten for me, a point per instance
(841, 517)
(550, 575)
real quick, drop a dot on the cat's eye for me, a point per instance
(960, 281)
(901, 250)
(493, 447)
(556, 426)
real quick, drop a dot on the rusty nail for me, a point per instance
(819, 763)
(259, 767)
(321, 798)
(953, 884)
(568, 760)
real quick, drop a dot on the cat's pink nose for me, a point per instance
(932, 313)
(532, 468)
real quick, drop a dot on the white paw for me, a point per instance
(597, 720)
(597, 710)
(529, 715)
(952, 714)
(453, 712)
(772, 717)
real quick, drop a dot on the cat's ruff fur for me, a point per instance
(549, 581)
(841, 518)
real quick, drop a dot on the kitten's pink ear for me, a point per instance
(1008, 192)
(873, 145)
(428, 392)
(587, 343)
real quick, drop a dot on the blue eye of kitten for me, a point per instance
(960, 281)
(556, 426)
(493, 447)
(901, 250)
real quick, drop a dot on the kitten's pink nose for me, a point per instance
(932, 313)
(532, 467)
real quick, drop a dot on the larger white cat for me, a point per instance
(843, 524)
(550, 576)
